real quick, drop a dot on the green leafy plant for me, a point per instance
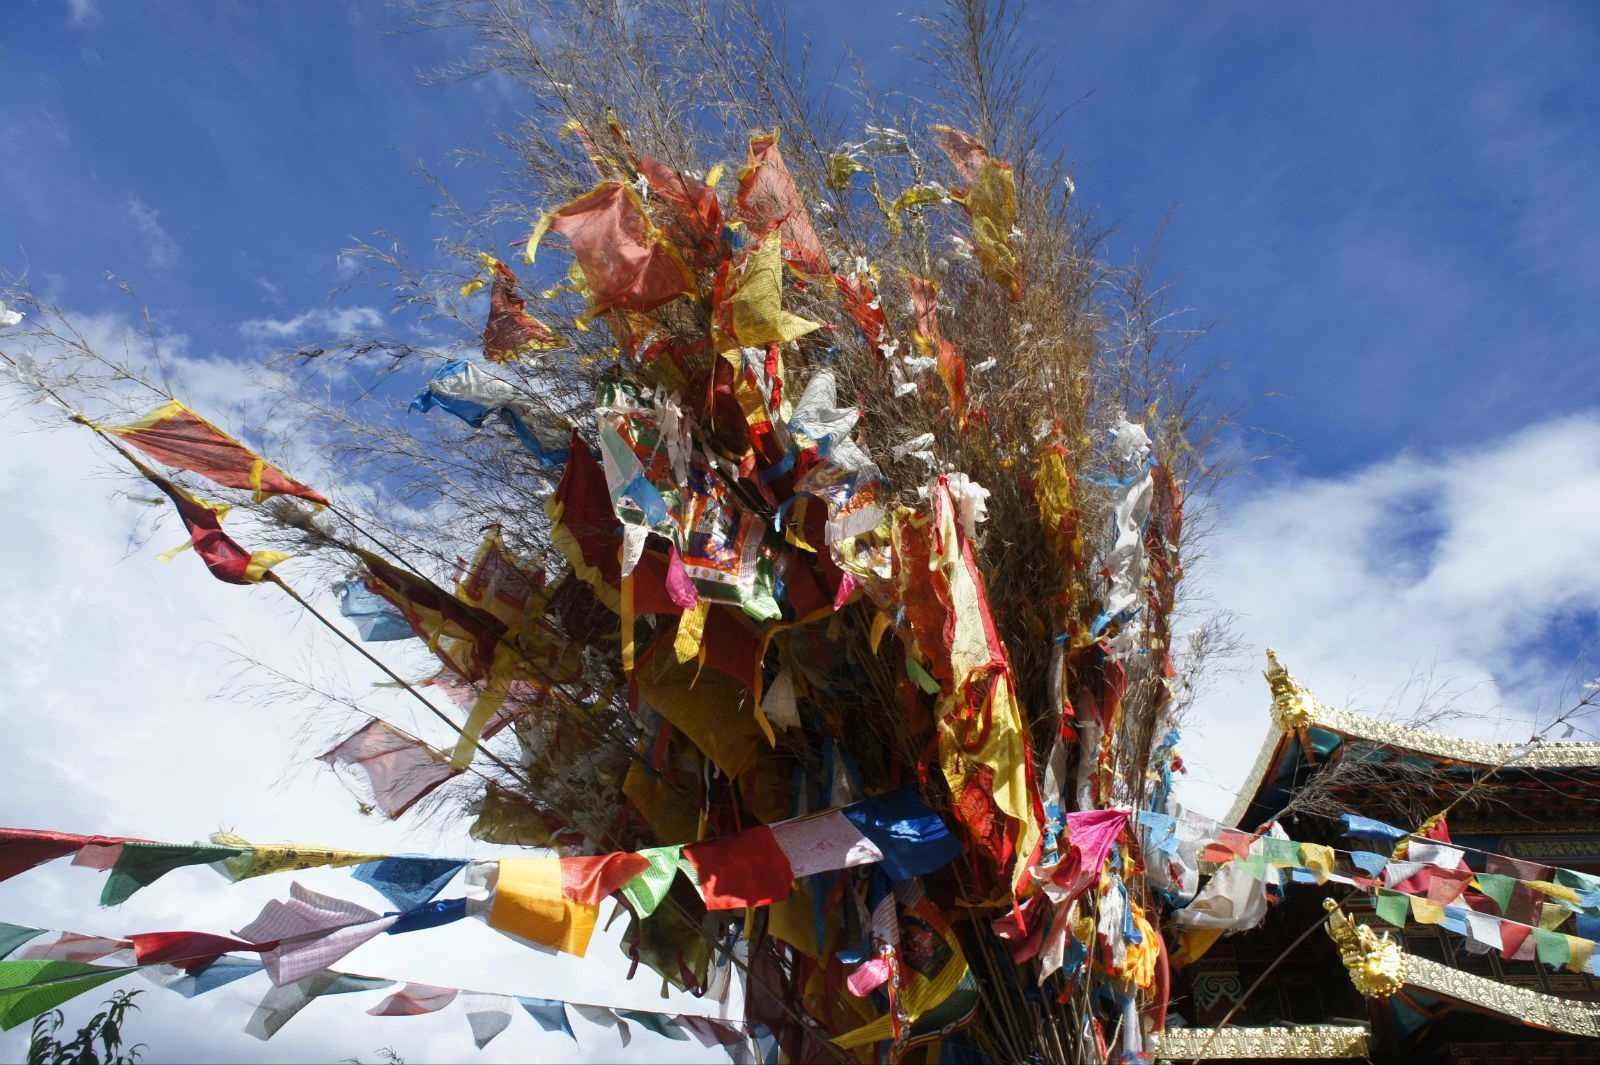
(99, 1041)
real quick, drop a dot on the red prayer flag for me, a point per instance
(222, 555)
(952, 367)
(177, 436)
(23, 848)
(745, 869)
(590, 880)
(187, 950)
(511, 329)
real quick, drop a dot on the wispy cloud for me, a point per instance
(327, 320)
(82, 12)
(160, 249)
(1476, 565)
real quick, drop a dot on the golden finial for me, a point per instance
(1375, 963)
(1293, 707)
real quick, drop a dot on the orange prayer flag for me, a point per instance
(177, 436)
(952, 367)
(627, 263)
(768, 200)
(988, 193)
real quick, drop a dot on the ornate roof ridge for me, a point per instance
(1295, 707)
(1535, 1008)
(1300, 1041)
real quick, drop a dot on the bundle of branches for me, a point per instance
(820, 455)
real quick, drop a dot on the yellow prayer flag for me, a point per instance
(529, 902)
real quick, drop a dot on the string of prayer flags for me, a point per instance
(74, 947)
(187, 950)
(465, 637)
(399, 770)
(176, 436)
(227, 561)
(29, 988)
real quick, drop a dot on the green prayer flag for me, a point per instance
(13, 936)
(1552, 947)
(1394, 907)
(1255, 865)
(1497, 887)
(142, 864)
(658, 1023)
(29, 988)
(647, 890)
(924, 680)
(1284, 853)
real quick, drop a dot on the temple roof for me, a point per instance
(1299, 719)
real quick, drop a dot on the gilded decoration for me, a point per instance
(1376, 964)
(1517, 1003)
(1293, 707)
(1310, 1041)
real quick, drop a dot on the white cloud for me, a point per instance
(1477, 565)
(82, 12)
(334, 321)
(114, 726)
(160, 249)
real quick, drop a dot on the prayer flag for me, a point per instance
(413, 1000)
(29, 988)
(824, 842)
(744, 869)
(13, 936)
(911, 837)
(556, 901)
(312, 931)
(627, 263)
(282, 1003)
(142, 864)
(23, 848)
(550, 1013)
(399, 769)
(226, 560)
(189, 951)
(374, 618)
(488, 1015)
(768, 200)
(177, 436)
(511, 330)
(988, 193)
(409, 880)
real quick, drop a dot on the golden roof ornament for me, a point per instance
(1376, 965)
(1293, 706)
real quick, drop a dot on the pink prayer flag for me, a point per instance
(824, 842)
(399, 769)
(413, 1000)
(312, 931)
(869, 975)
(72, 946)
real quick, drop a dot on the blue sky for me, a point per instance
(1389, 206)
